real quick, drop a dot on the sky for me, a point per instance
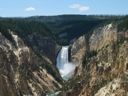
(25, 8)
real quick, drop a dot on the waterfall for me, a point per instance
(65, 67)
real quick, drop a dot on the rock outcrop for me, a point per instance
(23, 71)
(104, 62)
(78, 50)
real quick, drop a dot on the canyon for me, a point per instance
(66, 55)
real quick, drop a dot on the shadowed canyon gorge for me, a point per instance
(65, 55)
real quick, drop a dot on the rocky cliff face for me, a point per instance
(104, 61)
(103, 36)
(78, 50)
(25, 72)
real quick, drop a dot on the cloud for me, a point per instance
(30, 9)
(81, 8)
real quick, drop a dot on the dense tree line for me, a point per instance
(61, 28)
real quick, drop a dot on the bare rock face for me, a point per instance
(104, 65)
(23, 72)
(103, 36)
(114, 88)
(79, 46)
(78, 50)
(106, 69)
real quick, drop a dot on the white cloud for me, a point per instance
(30, 9)
(81, 8)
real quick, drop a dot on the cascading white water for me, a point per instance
(65, 68)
